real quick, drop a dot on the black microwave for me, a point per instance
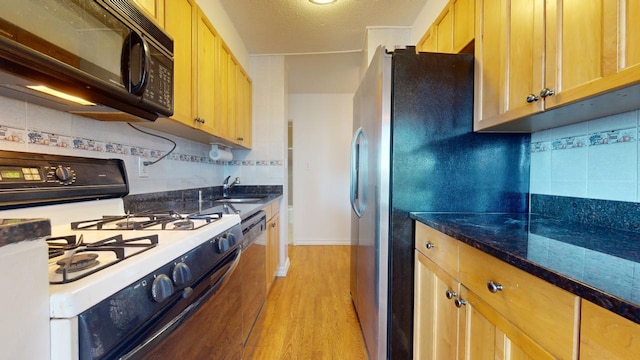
(105, 52)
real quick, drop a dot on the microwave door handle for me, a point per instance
(130, 41)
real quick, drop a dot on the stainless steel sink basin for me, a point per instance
(237, 200)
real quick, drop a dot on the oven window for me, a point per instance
(79, 33)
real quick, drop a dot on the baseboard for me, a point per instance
(284, 269)
(321, 242)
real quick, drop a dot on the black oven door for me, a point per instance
(209, 328)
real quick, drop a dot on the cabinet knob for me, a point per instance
(430, 245)
(532, 98)
(240, 139)
(450, 294)
(494, 287)
(199, 120)
(460, 302)
(546, 92)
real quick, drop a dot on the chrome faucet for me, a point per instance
(226, 186)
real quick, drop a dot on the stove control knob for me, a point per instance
(231, 238)
(223, 245)
(64, 174)
(162, 288)
(181, 274)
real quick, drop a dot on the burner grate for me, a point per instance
(80, 256)
(168, 220)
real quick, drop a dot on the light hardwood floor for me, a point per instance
(309, 314)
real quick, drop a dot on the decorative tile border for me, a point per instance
(37, 137)
(593, 139)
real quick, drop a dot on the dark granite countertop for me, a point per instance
(599, 264)
(17, 230)
(188, 201)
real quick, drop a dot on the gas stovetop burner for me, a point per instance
(183, 225)
(77, 262)
(80, 259)
(168, 220)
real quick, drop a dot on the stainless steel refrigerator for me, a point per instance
(413, 149)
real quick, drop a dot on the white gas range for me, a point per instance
(116, 279)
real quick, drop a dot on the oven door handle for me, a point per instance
(218, 282)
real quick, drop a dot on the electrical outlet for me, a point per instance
(143, 170)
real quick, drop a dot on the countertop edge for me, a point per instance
(599, 297)
(13, 231)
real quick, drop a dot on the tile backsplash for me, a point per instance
(596, 159)
(32, 128)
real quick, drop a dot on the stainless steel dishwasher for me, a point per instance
(253, 265)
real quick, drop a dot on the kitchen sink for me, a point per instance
(238, 200)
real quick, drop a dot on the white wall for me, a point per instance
(596, 159)
(32, 128)
(427, 16)
(322, 126)
(270, 122)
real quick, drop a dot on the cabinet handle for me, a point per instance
(460, 302)
(430, 245)
(273, 225)
(531, 98)
(546, 92)
(494, 287)
(450, 294)
(241, 139)
(199, 120)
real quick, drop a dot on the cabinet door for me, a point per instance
(592, 47)
(444, 31)
(273, 249)
(205, 79)
(222, 87)
(243, 112)
(153, 8)
(509, 51)
(605, 335)
(429, 42)
(436, 316)
(463, 23)
(179, 23)
(488, 335)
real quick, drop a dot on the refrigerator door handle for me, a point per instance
(358, 172)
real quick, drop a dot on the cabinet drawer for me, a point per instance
(440, 248)
(605, 335)
(548, 314)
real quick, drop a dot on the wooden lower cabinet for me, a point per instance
(489, 335)
(273, 243)
(605, 335)
(436, 316)
(458, 316)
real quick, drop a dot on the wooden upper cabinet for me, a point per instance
(153, 8)
(205, 79)
(463, 24)
(444, 31)
(180, 24)
(509, 52)
(592, 47)
(429, 41)
(452, 31)
(243, 113)
(535, 55)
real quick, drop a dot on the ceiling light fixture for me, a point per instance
(322, 2)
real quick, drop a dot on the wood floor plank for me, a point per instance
(309, 314)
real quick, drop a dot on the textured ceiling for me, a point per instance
(299, 27)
